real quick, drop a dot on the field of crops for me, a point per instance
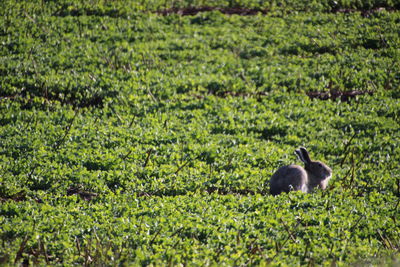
(146, 132)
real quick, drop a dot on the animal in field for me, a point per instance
(314, 174)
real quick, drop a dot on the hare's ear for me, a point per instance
(300, 155)
(305, 155)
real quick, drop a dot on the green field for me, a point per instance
(128, 137)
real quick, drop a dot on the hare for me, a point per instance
(294, 177)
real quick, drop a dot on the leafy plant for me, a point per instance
(133, 138)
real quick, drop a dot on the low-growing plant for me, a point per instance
(131, 137)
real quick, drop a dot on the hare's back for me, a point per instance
(288, 178)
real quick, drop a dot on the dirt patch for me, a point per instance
(364, 12)
(208, 190)
(335, 94)
(78, 190)
(225, 94)
(227, 191)
(191, 11)
(17, 197)
(242, 11)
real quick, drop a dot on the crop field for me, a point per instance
(136, 133)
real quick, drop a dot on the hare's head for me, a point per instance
(317, 170)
